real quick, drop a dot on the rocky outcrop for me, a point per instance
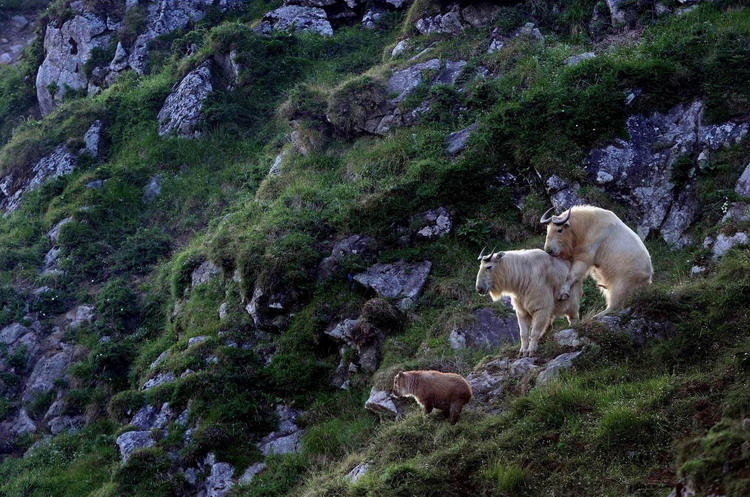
(653, 171)
(131, 441)
(431, 224)
(162, 17)
(455, 18)
(287, 438)
(740, 211)
(352, 245)
(456, 142)
(58, 163)
(380, 402)
(553, 368)
(390, 112)
(486, 331)
(182, 112)
(563, 194)
(400, 280)
(204, 273)
(297, 18)
(499, 39)
(67, 49)
(722, 244)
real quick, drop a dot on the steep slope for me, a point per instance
(236, 222)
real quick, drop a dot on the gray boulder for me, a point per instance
(487, 331)
(67, 49)
(490, 379)
(297, 18)
(434, 223)
(639, 171)
(219, 481)
(182, 112)
(569, 338)
(23, 424)
(563, 194)
(380, 402)
(287, 438)
(204, 273)
(45, 373)
(352, 245)
(456, 18)
(553, 368)
(54, 233)
(399, 280)
(131, 441)
(457, 141)
(11, 333)
(577, 59)
(742, 188)
(160, 379)
(357, 472)
(723, 243)
(80, 315)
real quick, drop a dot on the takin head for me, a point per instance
(559, 242)
(485, 280)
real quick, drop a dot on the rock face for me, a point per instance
(45, 373)
(456, 142)
(380, 402)
(456, 18)
(400, 280)
(555, 366)
(182, 111)
(68, 48)
(434, 223)
(58, 163)
(204, 273)
(353, 245)
(219, 481)
(653, 170)
(563, 194)
(487, 331)
(131, 441)
(723, 243)
(287, 438)
(490, 379)
(529, 31)
(163, 17)
(402, 83)
(297, 18)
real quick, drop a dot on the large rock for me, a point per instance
(11, 333)
(23, 424)
(402, 83)
(456, 18)
(563, 194)
(204, 273)
(162, 17)
(131, 441)
(59, 162)
(742, 188)
(297, 18)
(640, 171)
(641, 329)
(183, 110)
(45, 374)
(158, 380)
(486, 331)
(287, 438)
(251, 472)
(353, 245)
(555, 366)
(399, 280)
(68, 48)
(219, 481)
(80, 315)
(380, 402)
(723, 243)
(490, 379)
(456, 142)
(434, 223)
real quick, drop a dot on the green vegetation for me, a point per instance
(630, 419)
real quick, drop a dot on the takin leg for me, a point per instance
(524, 321)
(539, 325)
(427, 407)
(455, 412)
(577, 272)
(616, 297)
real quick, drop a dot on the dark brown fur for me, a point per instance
(432, 389)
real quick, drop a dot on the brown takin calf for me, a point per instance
(432, 389)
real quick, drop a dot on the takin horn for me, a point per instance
(481, 254)
(546, 217)
(558, 222)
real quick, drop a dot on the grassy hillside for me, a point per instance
(632, 417)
